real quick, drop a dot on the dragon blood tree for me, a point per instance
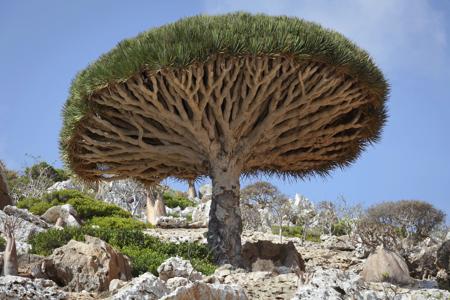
(222, 96)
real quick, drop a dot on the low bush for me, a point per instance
(173, 199)
(297, 231)
(86, 206)
(146, 252)
(342, 227)
(118, 223)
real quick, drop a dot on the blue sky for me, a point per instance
(43, 44)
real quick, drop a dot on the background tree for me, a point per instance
(5, 198)
(415, 218)
(8, 225)
(327, 216)
(222, 96)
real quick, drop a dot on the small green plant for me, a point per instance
(2, 244)
(88, 208)
(385, 276)
(118, 223)
(342, 227)
(297, 231)
(173, 199)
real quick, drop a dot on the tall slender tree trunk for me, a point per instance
(192, 193)
(225, 224)
(155, 207)
(10, 265)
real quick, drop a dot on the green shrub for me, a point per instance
(118, 223)
(44, 243)
(88, 208)
(144, 259)
(297, 231)
(146, 252)
(40, 208)
(173, 200)
(27, 202)
(2, 244)
(342, 227)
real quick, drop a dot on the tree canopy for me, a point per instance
(164, 68)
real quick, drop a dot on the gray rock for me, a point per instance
(29, 226)
(64, 213)
(171, 222)
(200, 214)
(15, 287)
(116, 284)
(145, 287)
(176, 282)
(68, 184)
(205, 192)
(386, 266)
(341, 243)
(178, 267)
(89, 265)
(205, 291)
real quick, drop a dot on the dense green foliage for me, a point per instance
(173, 199)
(118, 223)
(86, 206)
(197, 38)
(296, 231)
(342, 227)
(146, 252)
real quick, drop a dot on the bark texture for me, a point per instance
(155, 208)
(10, 265)
(192, 193)
(225, 223)
(271, 113)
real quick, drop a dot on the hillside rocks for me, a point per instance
(205, 291)
(200, 214)
(386, 266)
(5, 198)
(89, 265)
(145, 287)
(178, 267)
(68, 184)
(14, 287)
(280, 254)
(30, 225)
(64, 215)
(341, 243)
(171, 222)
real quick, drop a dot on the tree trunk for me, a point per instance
(225, 224)
(280, 231)
(155, 208)
(10, 265)
(192, 193)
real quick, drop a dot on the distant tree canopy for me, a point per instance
(414, 217)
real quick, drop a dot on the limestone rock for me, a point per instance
(205, 291)
(171, 222)
(176, 282)
(68, 184)
(205, 193)
(89, 265)
(386, 266)
(329, 284)
(116, 284)
(443, 264)
(178, 267)
(14, 287)
(200, 214)
(29, 226)
(280, 254)
(145, 287)
(65, 213)
(341, 243)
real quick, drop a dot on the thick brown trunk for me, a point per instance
(10, 265)
(225, 224)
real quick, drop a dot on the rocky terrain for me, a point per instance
(332, 267)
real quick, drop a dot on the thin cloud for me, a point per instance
(401, 35)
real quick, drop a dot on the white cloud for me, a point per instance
(401, 35)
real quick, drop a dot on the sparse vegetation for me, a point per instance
(174, 199)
